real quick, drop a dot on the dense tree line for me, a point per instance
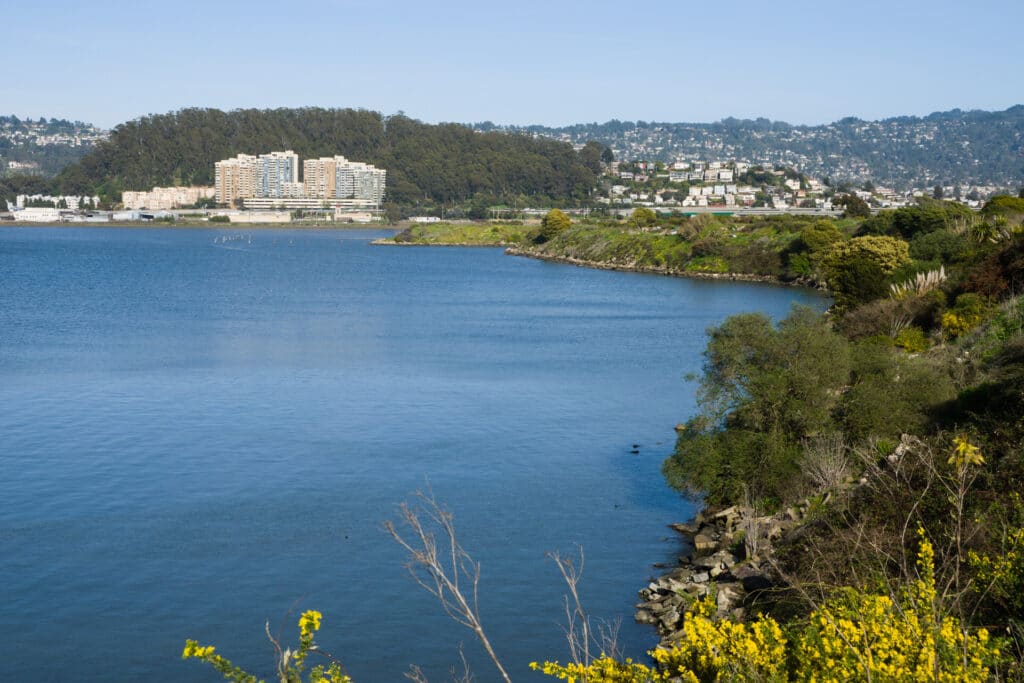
(425, 163)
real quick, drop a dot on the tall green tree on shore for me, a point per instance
(764, 389)
(642, 217)
(553, 223)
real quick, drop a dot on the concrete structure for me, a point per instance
(271, 181)
(348, 216)
(164, 198)
(360, 183)
(319, 176)
(22, 167)
(235, 179)
(90, 218)
(37, 215)
(274, 171)
(261, 217)
(69, 201)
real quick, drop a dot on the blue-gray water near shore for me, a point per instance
(203, 430)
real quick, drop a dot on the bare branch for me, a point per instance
(579, 632)
(579, 642)
(442, 573)
(416, 675)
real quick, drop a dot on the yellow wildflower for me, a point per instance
(965, 453)
(309, 622)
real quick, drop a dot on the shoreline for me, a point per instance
(513, 250)
(189, 225)
(384, 242)
(730, 555)
(658, 270)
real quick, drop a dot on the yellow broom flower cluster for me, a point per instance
(851, 637)
(290, 666)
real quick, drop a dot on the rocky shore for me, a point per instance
(390, 242)
(731, 554)
(656, 270)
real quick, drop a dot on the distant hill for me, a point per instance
(44, 146)
(431, 164)
(425, 163)
(949, 148)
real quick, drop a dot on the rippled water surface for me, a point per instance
(202, 430)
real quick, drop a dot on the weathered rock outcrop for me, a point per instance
(732, 553)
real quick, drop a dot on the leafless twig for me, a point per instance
(447, 571)
(579, 632)
(577, 628)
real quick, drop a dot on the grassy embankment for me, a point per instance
(699, 246)
(462, 234)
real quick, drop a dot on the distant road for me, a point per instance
(745, 211)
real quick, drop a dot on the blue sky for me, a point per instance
(517, 62)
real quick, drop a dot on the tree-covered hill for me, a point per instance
(949, 148)
(425, 163)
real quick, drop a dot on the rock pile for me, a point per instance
(731, 556)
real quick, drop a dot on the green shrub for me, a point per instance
(912, 340)
(944, 246)
(554, 223)
(642, 217)
(891, 394)
(857, 271)
(819, 237)
(764, 389)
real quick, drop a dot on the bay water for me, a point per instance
(202, 431)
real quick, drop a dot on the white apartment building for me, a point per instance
(165, 198)
(272, 181)
(351, 183)
(235, 179)
(68, 201)
(361, 183)
(37, 214)
(273, 171)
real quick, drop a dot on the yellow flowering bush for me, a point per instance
(604, 669)
(713, 649)
(957, 324)
(1001, 578)
(851, 637)
(290, 665)
(966, 314)
(876, 638)
(1003, 575)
